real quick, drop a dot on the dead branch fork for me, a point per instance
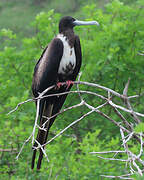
(126, 128)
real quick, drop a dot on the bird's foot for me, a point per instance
(59, 84)
(68, 83)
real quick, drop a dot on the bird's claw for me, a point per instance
(59, 84)
(68, 83)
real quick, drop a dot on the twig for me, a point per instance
(124, 109)
(27, 140)
(141, 54)
(113, 159)
(19, 104)
(81, 98)
(125, 91)
(129, 137)
(120, 177)
(106, 152)
(131, 157)
(127, 102)
(116, 123)
(36, 119)
(8, 150)
(64, 110)
(101, 87)
(76, 121)
(123, 118)
(75, 92)
(41, 147)
(61, 132)
(141, 148)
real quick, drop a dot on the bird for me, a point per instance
(60, 62)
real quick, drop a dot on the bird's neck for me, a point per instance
(70, 36)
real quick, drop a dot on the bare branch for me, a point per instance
(36, 119)
(125, 91)
(75, 92)
(101, 87)
(64, 110)
(78, 87)
(116, 123)
(134, 115)
(69, 127)
(19, 104)
(106, 152)
(113, 159)
(8, 150)
(133, 161)
(27, 140)
(128, 125)
(120, 177)
(132, 157)
(41, 147)
(141, 149)
(124, 109)
(141, 54)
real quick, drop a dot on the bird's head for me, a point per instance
(69, 22)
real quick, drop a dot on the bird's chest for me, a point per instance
(68, 60)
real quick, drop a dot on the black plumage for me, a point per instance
(59, 62)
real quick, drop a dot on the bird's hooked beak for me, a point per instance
(79, 23)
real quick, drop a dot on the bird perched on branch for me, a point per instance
(59, 62)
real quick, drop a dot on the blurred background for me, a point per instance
(18, 15)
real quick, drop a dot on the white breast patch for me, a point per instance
(68, 61)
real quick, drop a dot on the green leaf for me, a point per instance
(139, 128)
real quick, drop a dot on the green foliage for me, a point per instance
(139, 128)
(110, 57)
(7, 33)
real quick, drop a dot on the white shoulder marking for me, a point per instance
(68, 61)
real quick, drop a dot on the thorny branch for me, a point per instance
(133, 161)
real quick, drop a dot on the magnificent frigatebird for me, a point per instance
(59, 62)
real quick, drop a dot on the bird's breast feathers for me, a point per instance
(68, 61)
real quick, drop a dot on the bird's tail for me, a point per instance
(42, 135)
(48, 111)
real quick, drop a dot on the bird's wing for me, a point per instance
(45, 75)
(36, 66)
(77, 48)
(46, 70)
